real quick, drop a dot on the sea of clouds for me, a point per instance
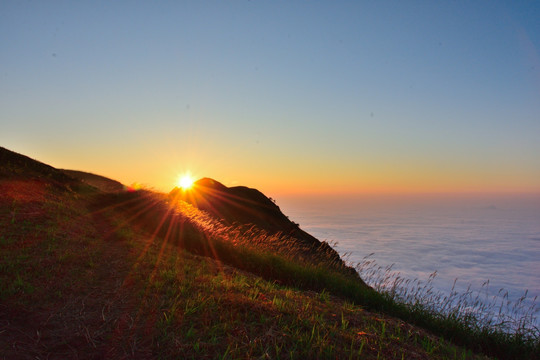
(469, 238)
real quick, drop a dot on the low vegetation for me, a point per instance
(78, 281)
(135, 275)
(286, 266)
(475, 308)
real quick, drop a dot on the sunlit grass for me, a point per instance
(252, 236)
(125, 273)
(207, 310)
(475, 309)
(279, 258)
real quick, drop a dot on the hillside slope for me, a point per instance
(241, 204)
(80, 279)
(15, 166)
(99, 182)
(246, 211)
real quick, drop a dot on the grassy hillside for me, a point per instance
(77, 283)
(99, 182)
(85, 274)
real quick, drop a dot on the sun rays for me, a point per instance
(185, 181)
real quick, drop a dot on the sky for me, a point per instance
(288, 97)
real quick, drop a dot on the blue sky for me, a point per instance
(283, 96)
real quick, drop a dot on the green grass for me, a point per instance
(494, 322)
(210, 238)
(215, 311)
(132, 279)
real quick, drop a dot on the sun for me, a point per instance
(185, 182)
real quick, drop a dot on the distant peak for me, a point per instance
(209, 183)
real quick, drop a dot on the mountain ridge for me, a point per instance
(91, 274)
(240, 204)
(250, 207)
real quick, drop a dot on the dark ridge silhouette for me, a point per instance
(238, 205)
(242, 205)
(99, 182)
(247, 206)
(71, 260)
(17, 166)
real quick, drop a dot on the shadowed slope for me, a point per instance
(100, 182)
(76, 283)
(17, 166)
(81, 277)
(246, 210)
(242, 205)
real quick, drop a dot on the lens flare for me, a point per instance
(185, 182)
